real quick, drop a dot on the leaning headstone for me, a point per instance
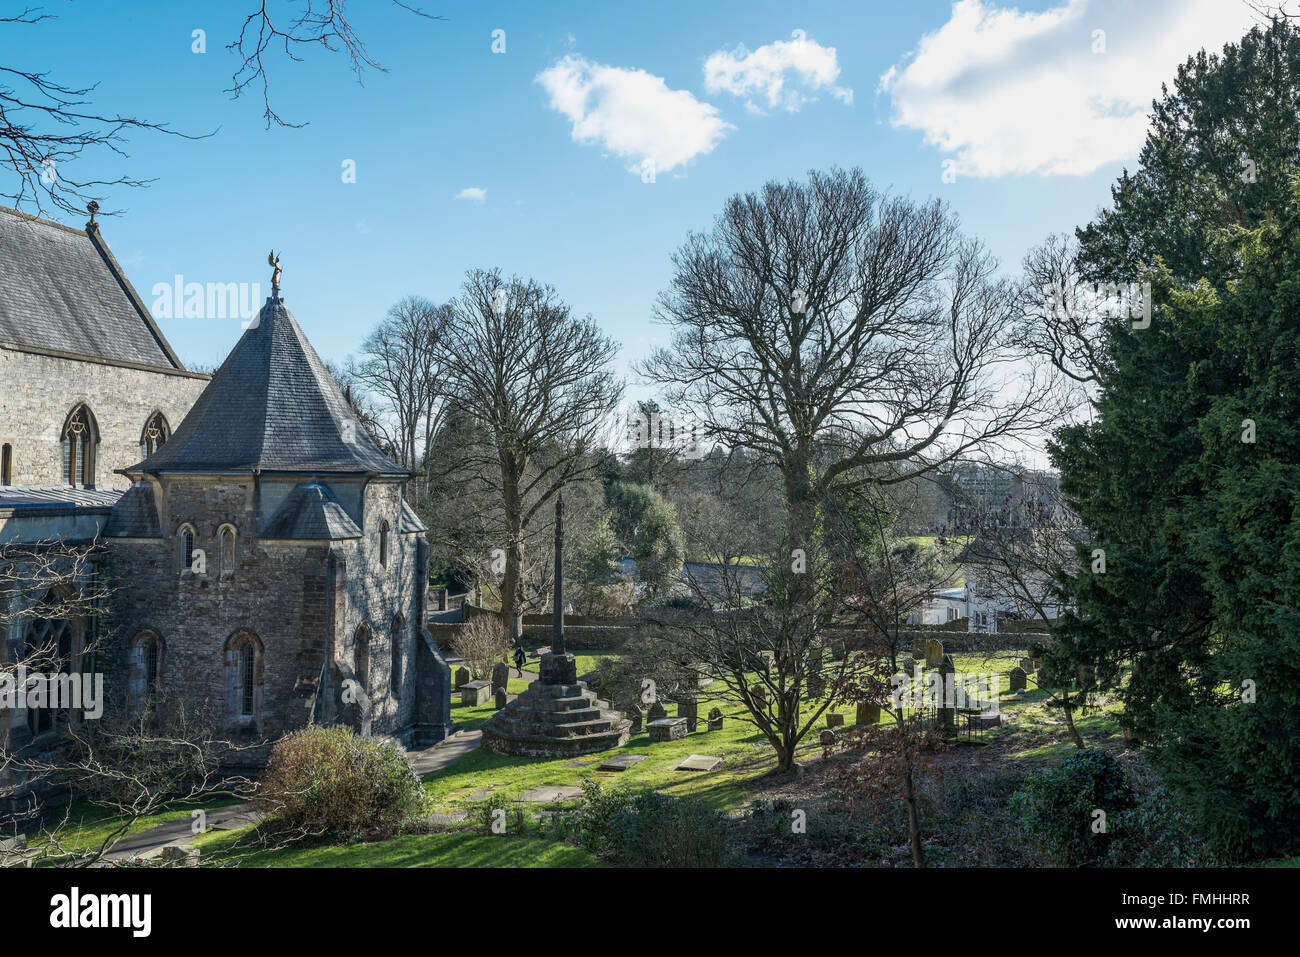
(502, 698)
(462, 677)
(868, 713)
(759, 694)
(827, 738)
(500, 676)
(656, 712)
(1018, 677)
(909, 666)
(715, 719)
(634, 712)
(667, 729)
(688, 708)
(933, 653)
(834, 720)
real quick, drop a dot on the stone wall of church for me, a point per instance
(38, 392)
(305, 602)
(376, 597)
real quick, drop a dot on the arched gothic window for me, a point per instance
(48, 646)
(146, 670)
(244, 680)
(185, 542)
(398, 642)
(361, 657)
(156, 432)
(226, 543)
(80, 436)
(383, 545)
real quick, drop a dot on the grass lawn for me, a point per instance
(746, 756)
(455, 849)
(88, 825)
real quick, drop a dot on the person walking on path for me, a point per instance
(520, 658)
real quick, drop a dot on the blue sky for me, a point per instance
(1032, 120)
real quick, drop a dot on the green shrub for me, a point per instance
(1059, 806)
(1158, 832)
(497, 815)
(646, 829)
(589, 823)
(656, 830)
(331, 781)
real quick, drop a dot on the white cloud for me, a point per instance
(475, 194)
(631, 113)
(779, 71)
(1009, 92)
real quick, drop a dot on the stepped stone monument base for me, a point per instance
(557, 716)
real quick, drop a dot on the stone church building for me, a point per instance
(265, 570)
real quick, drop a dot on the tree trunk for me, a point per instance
(1069, 723)
(512, 581)
(913, 818)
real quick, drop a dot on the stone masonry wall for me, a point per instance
(40, 391)
(303, 600)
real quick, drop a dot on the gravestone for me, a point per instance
(868, 713)
(550, 792)
(622, 762)
(1018, 677)
(698, 762)
(688, 708)
(947, 715)
(475, 693)
(759, 694)
(1027, 664)
(634, 712)
(502, 698)
(909, 666)
(933, 653)
(500, 676)
(715, 719)
(657, 711)
(827, 738)
(462, 677)
(667, 729)
(834, 720)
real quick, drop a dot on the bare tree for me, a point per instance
(536, 380)
(1018, 559)
(847, 340)
(845, 337)
(128, 759)
(314, 23)
(46, 124)
(401, 367)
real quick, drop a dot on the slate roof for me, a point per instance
(61, 290)
(271, 406)
(410, 522)
(310, 512)
(35, 497)
(135, 515)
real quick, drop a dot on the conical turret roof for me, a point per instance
(272, 406)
